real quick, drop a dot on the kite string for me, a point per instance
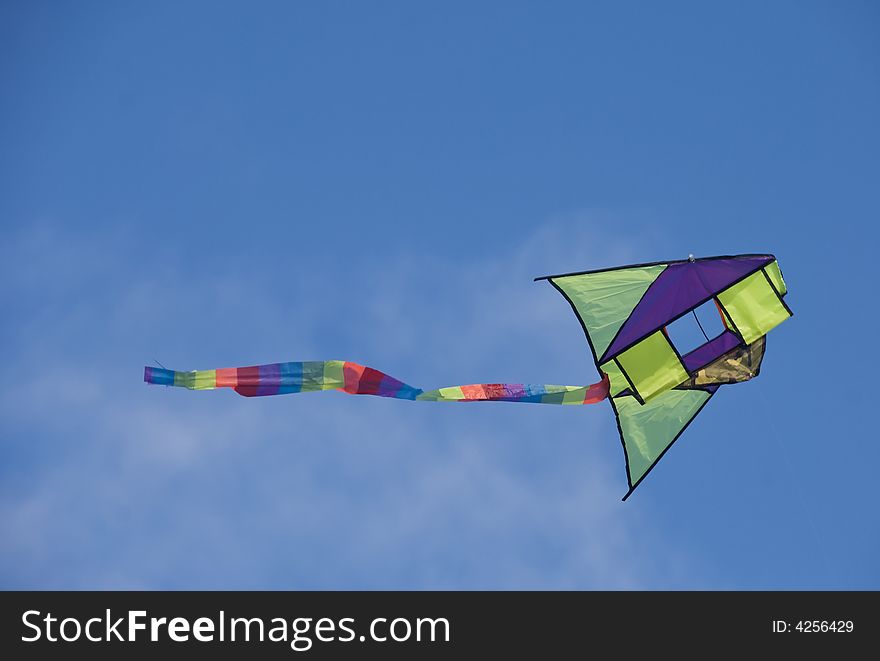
(694, 312)
(708, 289)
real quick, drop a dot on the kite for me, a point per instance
(655, 388)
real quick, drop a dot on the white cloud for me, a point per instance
(118, 484)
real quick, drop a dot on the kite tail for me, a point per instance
(311, 376)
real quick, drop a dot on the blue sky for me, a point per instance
(217, 184)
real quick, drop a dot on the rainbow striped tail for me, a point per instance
(355, 379)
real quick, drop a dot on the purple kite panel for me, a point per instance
(679, 288)
(702, 356)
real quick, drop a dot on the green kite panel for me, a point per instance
(652, 366)
(618, 380)
(775, 275)
(753, 306)
(648, 429)
(605, 300)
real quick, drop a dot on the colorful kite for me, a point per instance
(655, 389)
